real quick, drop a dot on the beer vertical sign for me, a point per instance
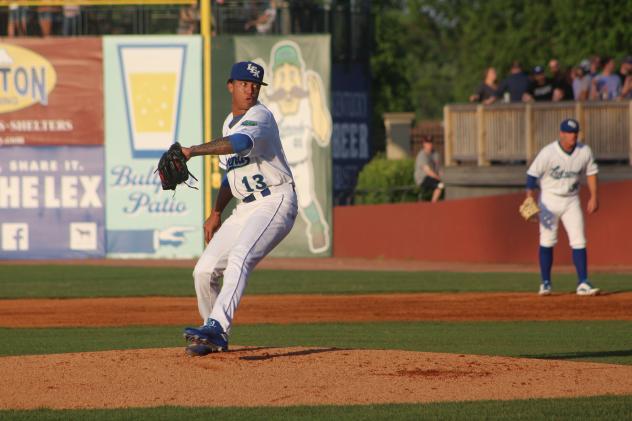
(153, 99)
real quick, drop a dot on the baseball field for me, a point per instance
(317, 339)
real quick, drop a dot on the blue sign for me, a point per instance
(52, 202)
(351, 114)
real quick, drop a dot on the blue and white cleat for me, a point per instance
(585, 288)
(198, 350)
(545, 288)
(211, 334)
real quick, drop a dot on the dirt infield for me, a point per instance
(247, 376)
(282, 309)
(291, 376)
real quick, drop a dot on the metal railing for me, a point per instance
(516, 132)
(349, 23)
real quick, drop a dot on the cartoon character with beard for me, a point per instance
(297, 99)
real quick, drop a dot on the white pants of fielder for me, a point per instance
(246, 237)
(568, 209)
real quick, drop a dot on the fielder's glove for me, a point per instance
(172, 168)
(529, 210)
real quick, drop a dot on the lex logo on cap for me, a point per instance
(249, 71)
(253, 70)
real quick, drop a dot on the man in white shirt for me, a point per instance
(558, 168)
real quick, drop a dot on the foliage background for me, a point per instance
(386, 181)
(431, 52)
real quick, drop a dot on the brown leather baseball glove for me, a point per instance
(529, 209)
(172, 168)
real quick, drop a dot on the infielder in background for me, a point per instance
(558, 168)
(257, 174)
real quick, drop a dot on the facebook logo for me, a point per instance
(15, 237)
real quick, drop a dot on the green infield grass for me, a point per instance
(597, 341)
(93, 281)
(589, 408)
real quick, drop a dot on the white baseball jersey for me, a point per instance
(560, 172)
(264, 165)
(256, 225)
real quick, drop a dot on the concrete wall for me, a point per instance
(485, 229)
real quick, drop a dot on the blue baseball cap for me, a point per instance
(569, 126)
(247, 70)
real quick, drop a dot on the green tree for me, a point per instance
(431, 52)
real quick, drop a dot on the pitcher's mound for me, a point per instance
(249, 376)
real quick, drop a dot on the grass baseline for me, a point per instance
(586, 408)
(597, 341)
(54, 281)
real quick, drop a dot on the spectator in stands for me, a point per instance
(18, 20)
(581, 81)
(263, 23)
(541, 87)
(487, 88)
(189, 22)
(625, 69)
(606, 85)
(71, 18)
(595, 65)
(626, 91)
(428, 171)
(513, 87)
(45, 19)
(562, 84)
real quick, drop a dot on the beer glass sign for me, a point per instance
(152, 81)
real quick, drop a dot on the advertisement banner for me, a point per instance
(154, 98)
(51, 202)
(297, 70)
(351, 112)
(51, 91)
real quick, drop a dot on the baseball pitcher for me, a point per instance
(258, 175)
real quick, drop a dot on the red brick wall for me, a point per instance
(486, 230)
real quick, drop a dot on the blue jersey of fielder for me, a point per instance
(559, 172)
(261, 167)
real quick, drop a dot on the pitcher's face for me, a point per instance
(244, 93)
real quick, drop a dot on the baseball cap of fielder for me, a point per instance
(569, 126)
(538, 70)
(247, 70)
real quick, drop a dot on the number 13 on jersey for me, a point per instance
(257, 181)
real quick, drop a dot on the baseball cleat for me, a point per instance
(545, 288)
(198, 350)
(211, 334)
(585, 288)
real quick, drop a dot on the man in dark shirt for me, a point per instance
(515, 85)
(541, 87)
(625, 69)
(562, 82)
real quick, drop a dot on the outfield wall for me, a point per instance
(479, 230)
